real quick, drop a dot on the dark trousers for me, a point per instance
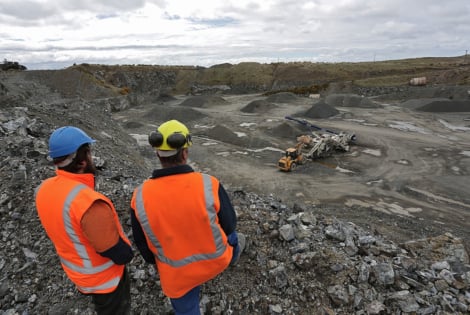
(117, 302)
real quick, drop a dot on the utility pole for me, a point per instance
(465, 58)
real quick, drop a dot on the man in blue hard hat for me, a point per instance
(83, 224)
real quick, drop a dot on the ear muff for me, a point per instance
(175, 140)
(155, 139)
(189, 141)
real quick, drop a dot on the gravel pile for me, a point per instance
(282, 97)
(288, 130)
(258, 106)
(161, 113)
(321, 110)
(224, 134)
(203, 101)
(446, 106)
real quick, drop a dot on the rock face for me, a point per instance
(296, 261)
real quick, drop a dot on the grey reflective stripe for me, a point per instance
(86, 270)
(107, 285)
(212, 214)
(144, 222)
(87, 267)
(210, 207)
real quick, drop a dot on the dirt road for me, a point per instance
(405, 176)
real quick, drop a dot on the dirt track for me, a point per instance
(406, 175)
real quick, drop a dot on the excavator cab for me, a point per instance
(292, 153)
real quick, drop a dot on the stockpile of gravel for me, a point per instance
(282, 97)
(258, 106)
(203, 101)
(224, 134)
(161, 113)
(286, 130)
(419, 102)
(445, 106)
(321, 110)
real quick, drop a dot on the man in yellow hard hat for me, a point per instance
(183, 221)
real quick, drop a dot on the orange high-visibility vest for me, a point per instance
(61, 202)
(178, 215)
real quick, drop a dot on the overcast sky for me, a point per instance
(54, 34)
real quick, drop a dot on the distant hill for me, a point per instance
(298, 77)
(301, 78)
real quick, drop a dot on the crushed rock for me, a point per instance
(282, 97)
(321, 110)
(445, 106)
(418, 102)
(203, 101)
(224, 134)
(258, 106)
(288, 131)
(161, 113)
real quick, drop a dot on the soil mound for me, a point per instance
(417, 103)
(283, 97)
(286, 130)
(223, 134)
(132, 125)
(321, 110)
(350, 100)
(162, 113)
(166, 98)
(258, 106)
(204, 101)
(446, 106)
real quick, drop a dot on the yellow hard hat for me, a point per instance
(170, 137)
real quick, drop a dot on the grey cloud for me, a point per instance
(25, 11)
(101, 5)
(219, 22)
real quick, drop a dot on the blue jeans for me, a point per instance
(188, 304)
(232, 239)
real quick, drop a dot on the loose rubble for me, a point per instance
(297, 261)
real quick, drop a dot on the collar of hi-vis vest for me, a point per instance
(174, 170)
(86, 179)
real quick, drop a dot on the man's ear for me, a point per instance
(185, 154)
(81, 166)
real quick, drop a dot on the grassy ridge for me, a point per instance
(306, 75)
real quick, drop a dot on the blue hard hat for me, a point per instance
(66, 140)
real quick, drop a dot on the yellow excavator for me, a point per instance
(291, 158)
(316, 145)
